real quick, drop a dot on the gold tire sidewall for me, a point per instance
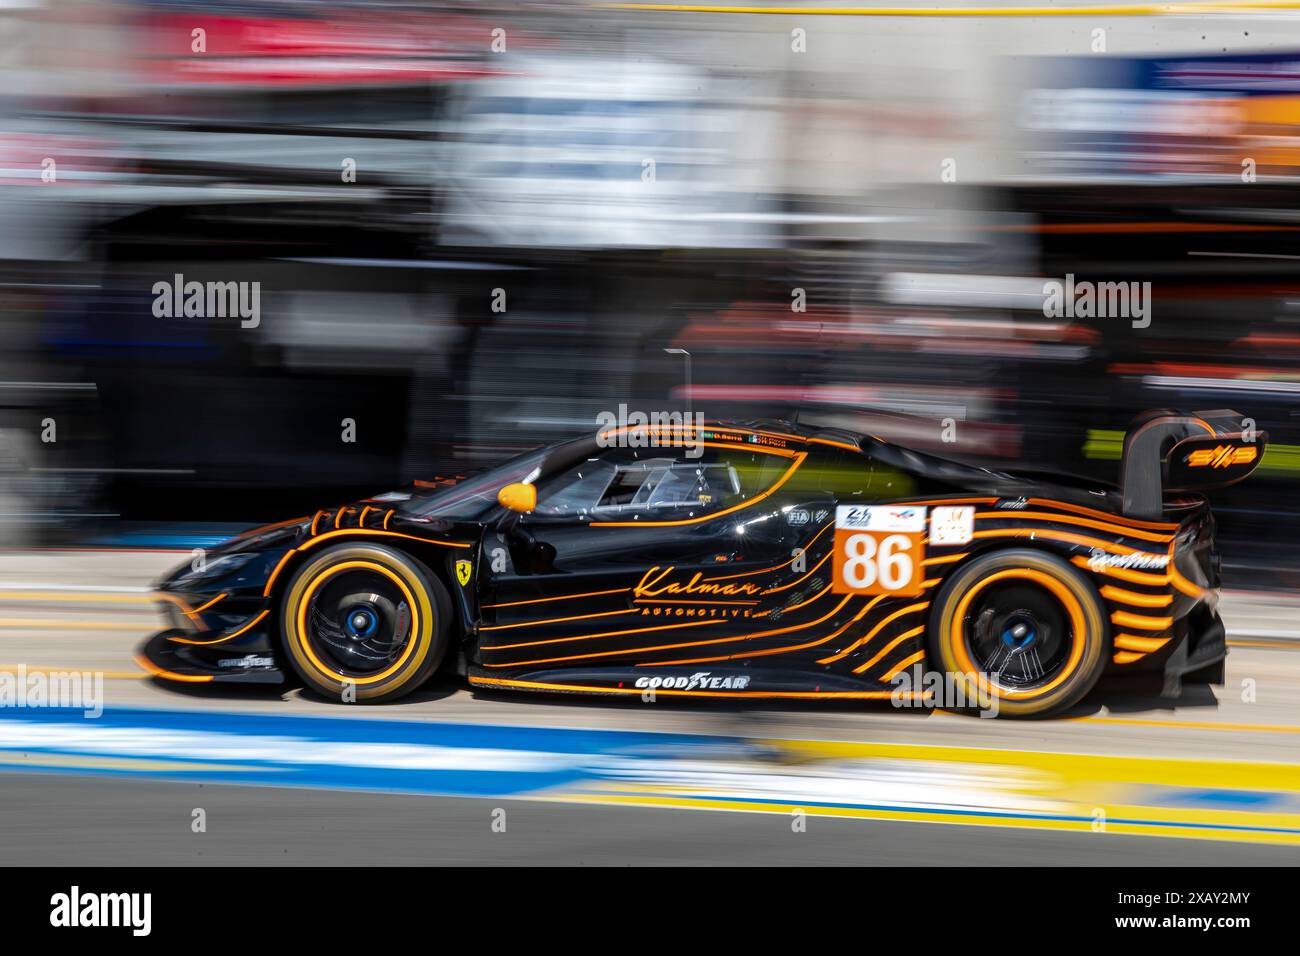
(1085, 672)
(428, 624)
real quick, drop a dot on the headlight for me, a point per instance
(221, 567)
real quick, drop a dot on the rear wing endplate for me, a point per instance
(1169, 451)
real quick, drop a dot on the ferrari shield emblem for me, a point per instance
(463, 571)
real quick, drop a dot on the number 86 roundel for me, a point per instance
(879, 549)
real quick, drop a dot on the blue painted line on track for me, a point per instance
(1224, 799)
(338, 752)
(167, 538)
(481, 760)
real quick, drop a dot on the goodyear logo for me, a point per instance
(1222, 456)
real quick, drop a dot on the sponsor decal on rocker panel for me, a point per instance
(702, 680)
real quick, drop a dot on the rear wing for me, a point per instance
(1167, 451)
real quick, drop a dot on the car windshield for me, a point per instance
(473, 497)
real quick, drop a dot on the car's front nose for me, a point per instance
(219, 620)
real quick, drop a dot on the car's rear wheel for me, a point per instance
(1021, 631)
(364, 622)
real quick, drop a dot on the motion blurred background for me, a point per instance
(476, 226)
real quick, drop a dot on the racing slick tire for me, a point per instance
(1021, 631)
(364, 622)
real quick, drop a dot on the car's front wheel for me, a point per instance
(1019, 631)
(363, 622)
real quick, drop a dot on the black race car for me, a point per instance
(743, 560)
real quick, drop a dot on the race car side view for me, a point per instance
(747, 560)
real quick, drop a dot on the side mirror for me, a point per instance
(518, 497)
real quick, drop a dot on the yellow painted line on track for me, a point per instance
(1124, 795)
(1273, 645)
(92, 597)
(1074, 768)
(45, 623)
(72, 669)
(1189, 725)
(1089, 10)
(1154, 722)
(1204, 830)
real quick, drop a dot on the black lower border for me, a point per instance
(292, 905)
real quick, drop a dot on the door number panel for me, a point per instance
(879, 549)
